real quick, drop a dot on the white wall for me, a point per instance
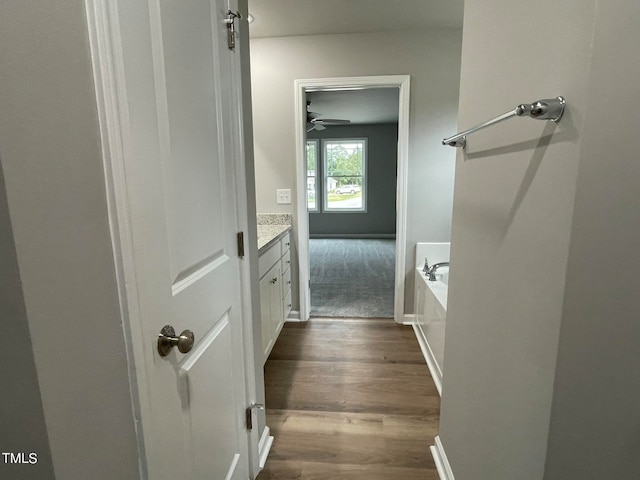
(431, 59)
(51, 156)
(512, 380)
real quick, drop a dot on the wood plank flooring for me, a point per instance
(350, 399)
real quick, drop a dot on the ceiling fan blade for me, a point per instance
(331, 121)
(315, 126)
(318, 123)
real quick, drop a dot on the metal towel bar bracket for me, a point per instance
(545, 109)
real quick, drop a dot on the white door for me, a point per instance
(180, 133)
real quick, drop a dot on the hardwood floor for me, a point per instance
(349, 400)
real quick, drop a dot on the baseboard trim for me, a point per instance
(353, 235)
(264, 446)
(429, 358)
(441, 460)
(294, 316)
(408, 319)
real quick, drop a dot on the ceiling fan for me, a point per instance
(315, 123)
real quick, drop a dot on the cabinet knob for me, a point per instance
(274, 279)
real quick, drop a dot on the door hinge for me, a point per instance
(230, 21)
(241, 244)
(249, 414)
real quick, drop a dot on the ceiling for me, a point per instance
(369, 106)
(281, 18)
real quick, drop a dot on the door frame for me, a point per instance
(111, 100)
(302, 86)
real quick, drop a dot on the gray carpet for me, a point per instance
(352, 277)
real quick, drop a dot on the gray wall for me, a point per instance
(431, 58)
(381, 162)
(22, 427)
(540, 342)
(595, 416)
(52, 160)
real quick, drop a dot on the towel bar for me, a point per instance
(545, 109)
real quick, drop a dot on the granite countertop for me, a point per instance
(268, 233)
(272, 226)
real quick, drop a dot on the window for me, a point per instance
(312, 168)
(344, 175)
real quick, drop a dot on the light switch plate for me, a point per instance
(283, 196)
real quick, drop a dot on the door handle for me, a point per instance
(167, 339)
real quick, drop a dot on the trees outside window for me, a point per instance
(344, 175)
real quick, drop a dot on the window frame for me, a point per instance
(317, 177)
(363, 188)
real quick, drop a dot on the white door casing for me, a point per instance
(171, 133)
(301, 87)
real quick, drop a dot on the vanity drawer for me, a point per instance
(268, 259)
(285, 243)
(286, 282)
(287, 304)
(286, 260)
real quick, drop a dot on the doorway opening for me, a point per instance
(335, 199)
(352, 147)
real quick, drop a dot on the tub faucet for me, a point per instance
(432, 270)
(426, 265)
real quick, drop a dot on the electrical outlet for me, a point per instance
(283, 196)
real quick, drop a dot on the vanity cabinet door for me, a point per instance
(277, 312)
(275, 291)
(271, 307)
(265, 315)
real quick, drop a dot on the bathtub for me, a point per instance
(430, 307)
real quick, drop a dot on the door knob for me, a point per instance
(167, 340)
